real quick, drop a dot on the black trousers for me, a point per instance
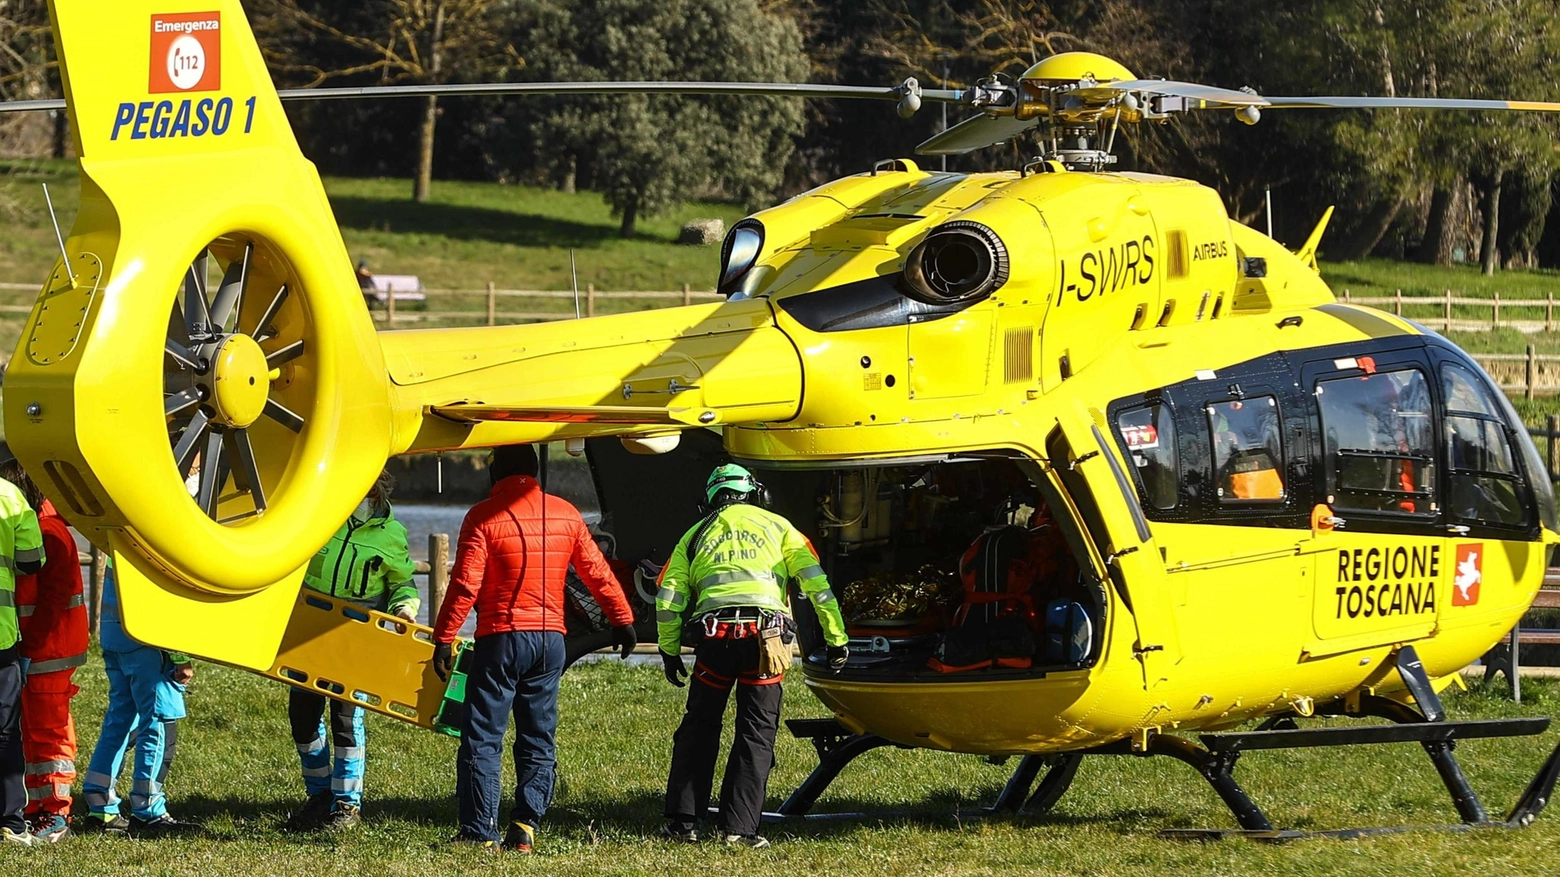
(721, 665)
(13, 763)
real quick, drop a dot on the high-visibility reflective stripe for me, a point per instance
(350, 753)
(7, 598)
(93, 779)
(731, 578)
(54, 666)
(40, 793)
(39, 768)
(99, 799)
(27, 609)
(317, 771)
(759, 601)
(666, 615)
(314, 745)
(346, 785)
(29, 555)
(677, 599)
(823, 596)
(810, 572)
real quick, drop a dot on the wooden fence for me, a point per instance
(1447, 301)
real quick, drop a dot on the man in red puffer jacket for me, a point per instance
(515, 550)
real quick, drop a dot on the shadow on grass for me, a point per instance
(468, 223)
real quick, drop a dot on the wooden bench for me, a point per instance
(1506, 656)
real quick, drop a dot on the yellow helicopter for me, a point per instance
(1269, 505)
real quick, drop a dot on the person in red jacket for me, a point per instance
(515, 550)
(53, 623)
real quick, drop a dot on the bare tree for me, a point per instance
(390, 42)
(28, 72)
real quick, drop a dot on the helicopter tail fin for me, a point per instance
(1307, 251)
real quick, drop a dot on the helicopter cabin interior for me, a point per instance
(945, 567)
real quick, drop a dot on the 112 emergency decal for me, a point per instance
(186, 53)
(185, 58)
(1468, 575)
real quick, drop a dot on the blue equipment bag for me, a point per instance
(1068, 632)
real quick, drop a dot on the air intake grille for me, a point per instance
(1018, 364)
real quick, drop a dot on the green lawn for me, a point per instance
(237, 772)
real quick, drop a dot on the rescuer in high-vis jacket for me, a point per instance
(53, 619)
(21, 545)
(366, 562)
(726, 583)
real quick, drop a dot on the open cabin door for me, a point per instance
(1095, 479)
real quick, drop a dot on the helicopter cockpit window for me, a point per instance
(1486, 484)
(1380, 444)
(1248, 456)
(1149, 433)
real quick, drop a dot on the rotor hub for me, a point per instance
(240, 381)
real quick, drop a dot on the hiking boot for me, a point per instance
(677, 832)
(751, 841)
(162, 826)
(21, 838)
(466, 841)
(49, 828)
(343, 817)
(519, 838)
(312, 815)
(103, 823)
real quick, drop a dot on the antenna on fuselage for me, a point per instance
(574, 280)
(64, 256)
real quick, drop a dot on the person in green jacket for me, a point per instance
(730, 573)
(366, 562)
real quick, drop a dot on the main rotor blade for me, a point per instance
(1193, 90)
(248, 470)
(972, 134)
(184, 451)
(212, 475)
(1408, 103)
(230, 295)
(770, 89)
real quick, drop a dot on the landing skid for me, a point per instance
(1214, 757)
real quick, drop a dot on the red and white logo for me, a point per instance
(1469, 574)
(186, 52)
(1140, 438)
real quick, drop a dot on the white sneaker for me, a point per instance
(14, 837)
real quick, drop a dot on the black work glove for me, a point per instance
(443, 660)
(624, 639)
(675, 671)
(838, 655)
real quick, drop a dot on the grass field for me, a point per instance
(237, 773)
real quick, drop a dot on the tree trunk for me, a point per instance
(1369, 234)
(630, 217)
(1489, 252)
(61, 134)
(424, 182)
(1436, 248)
(570, 175)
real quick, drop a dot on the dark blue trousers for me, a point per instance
(519, 672)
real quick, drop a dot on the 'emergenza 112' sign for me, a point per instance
(186, 52)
